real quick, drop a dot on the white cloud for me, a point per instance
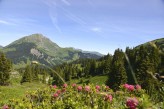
(96, 29)
(5, 22)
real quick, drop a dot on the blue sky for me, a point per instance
(93, 25)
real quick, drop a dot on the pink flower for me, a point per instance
(126, 86)
(55, 95)
(131, 88)
(97, 87)
(58, 91)
(107, 87)
(97, 90)
(79, 88)
(138, 87)
(108, 98)
(55, 86)
(132, 103)
(65, 85)
(5, 107)
(87, 88)
(74, 85)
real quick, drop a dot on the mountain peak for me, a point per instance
(40, 48)
(36, 38)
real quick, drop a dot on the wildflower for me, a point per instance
(5, 107)
(131, 88)
(107, 87)
(58, 91)
(97, 87)
(132, 103)
(65, 85)
(126, 86)
(138, 87)
(55, 86)
(79, 88)
(108, 98)
(87, 88)
(74, 85)
(97, 90)
(55, 95)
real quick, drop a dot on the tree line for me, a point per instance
(134, 66)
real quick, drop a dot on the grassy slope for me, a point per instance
(97, 80)
(17, 90)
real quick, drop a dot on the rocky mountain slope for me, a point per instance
(37, 47)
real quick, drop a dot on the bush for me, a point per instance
(84, 97)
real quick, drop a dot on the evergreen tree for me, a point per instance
(44, 77)
(36, 72)
(154, 58)
(129, 65)
(87, 69)
(56, 79)
(92, 70)
(118, 74)
(5, 68)
(27, 75)
(107, 64)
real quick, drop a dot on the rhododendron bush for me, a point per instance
(83, 97)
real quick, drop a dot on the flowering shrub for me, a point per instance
(138, 87)
(5, 107)
(132, 103)
(84, 97)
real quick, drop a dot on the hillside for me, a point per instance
(39, 48)
(158, 42)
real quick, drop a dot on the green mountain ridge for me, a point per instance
(158, 43)
(37, 47)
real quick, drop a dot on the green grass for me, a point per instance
(97, 80)
(17, 90)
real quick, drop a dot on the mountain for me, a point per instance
(37, 47)
(159, 43)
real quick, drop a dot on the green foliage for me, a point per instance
(17, 90)
(85, 97)
(5, 68)
(117, 76)
(32, 72)
(27, 75)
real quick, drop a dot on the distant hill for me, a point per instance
(37, 47)
(158, 42)
(1, 46)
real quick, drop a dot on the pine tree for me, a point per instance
(35, 72)
(27, 75)
(5, 68)
(129, 65)
(92, 70)
(118, 74)
(154, 58)
(107, 64)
